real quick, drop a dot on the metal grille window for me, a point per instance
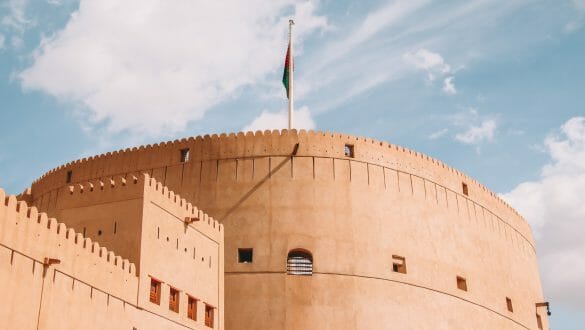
(155, 291)
(174, 300)
(299, 263)
(209, 316)
(192, 308)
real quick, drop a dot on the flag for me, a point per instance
(286, 74)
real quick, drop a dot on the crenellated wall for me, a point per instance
(282, 190)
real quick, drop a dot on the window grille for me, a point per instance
(174, 300)
(155, 291)
(299, 263)
(209, 316)
(192, 308)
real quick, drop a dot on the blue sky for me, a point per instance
(494, 88)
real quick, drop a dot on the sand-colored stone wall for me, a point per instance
(277, 191)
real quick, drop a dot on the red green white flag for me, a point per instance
(286, 74)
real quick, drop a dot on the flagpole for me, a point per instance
(291, 76)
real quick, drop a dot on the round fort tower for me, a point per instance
(331, 231)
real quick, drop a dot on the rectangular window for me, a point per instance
(173, 299)
(155, 291)
(398, 264)
(465, 189)
(192, 308)
(461, 283)
(348, 151)
(69, 176)
(209, 316)
(245, 255)
(538, 321)
(509, 304)
(184, 155)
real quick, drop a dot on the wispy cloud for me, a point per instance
(577, 22)
(449, 86)
(152, 67)
(477, 134)
(277, 120)
(431, 62)
(438, 134)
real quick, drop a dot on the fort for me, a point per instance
(321, 230)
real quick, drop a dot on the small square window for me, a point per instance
(461, 283)
(184, 155)
(69, 176)
(245, 255)
(349, 150)
(539, 321)
(174, 300)
(192, 308)
(155, 291)
(465, 189)
(509, 304)
(209, 315)
(398, 264)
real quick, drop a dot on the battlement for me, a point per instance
(37, 236)
(273, 144)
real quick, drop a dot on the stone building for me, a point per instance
(322, 231)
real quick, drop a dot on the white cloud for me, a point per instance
(153, 66)
(449, 86)
(554, 206)
(432, 63)
(438, 134)
(477, 134)
(276, 120)
(577, 22)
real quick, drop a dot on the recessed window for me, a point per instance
(461, 283)
(69, 176)
(209, 315)
(299, 262)
(398, 264)
(100, 232)
(509, 304)
(465, 189)
(348, 151)
(184, 155)
(174, 300)
(155, 291)
(245, 255)
(192, 308)
(538, 321)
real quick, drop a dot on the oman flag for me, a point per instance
(288, 66)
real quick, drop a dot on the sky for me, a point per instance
(493, 88)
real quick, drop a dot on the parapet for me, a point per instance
(27, 232)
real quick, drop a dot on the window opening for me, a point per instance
(184, 155)
(465, 189)
(69, 176)
(349, 150)
(155, 291)
(173, 299)
(209, 315)
(461, 283)
(84, 229)
(100, 232)
(299, 262)
(115, 227)
(398, 264)
(245, 255)
(192, 308)
(509, 304)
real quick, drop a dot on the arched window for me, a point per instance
(299, 262)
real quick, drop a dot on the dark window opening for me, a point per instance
(155, 291)
(209, 316)
(84, 230)
(100, 232)
(69, 176)
(461, 283)
(157, 232)
(192, 308)
(174, 300)
(398, 264)
(299, 262)
(245, 255)
(184, 155)
(509, 304)
(539, 321)
(465, 189)
(115, 227)
(348, 151)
